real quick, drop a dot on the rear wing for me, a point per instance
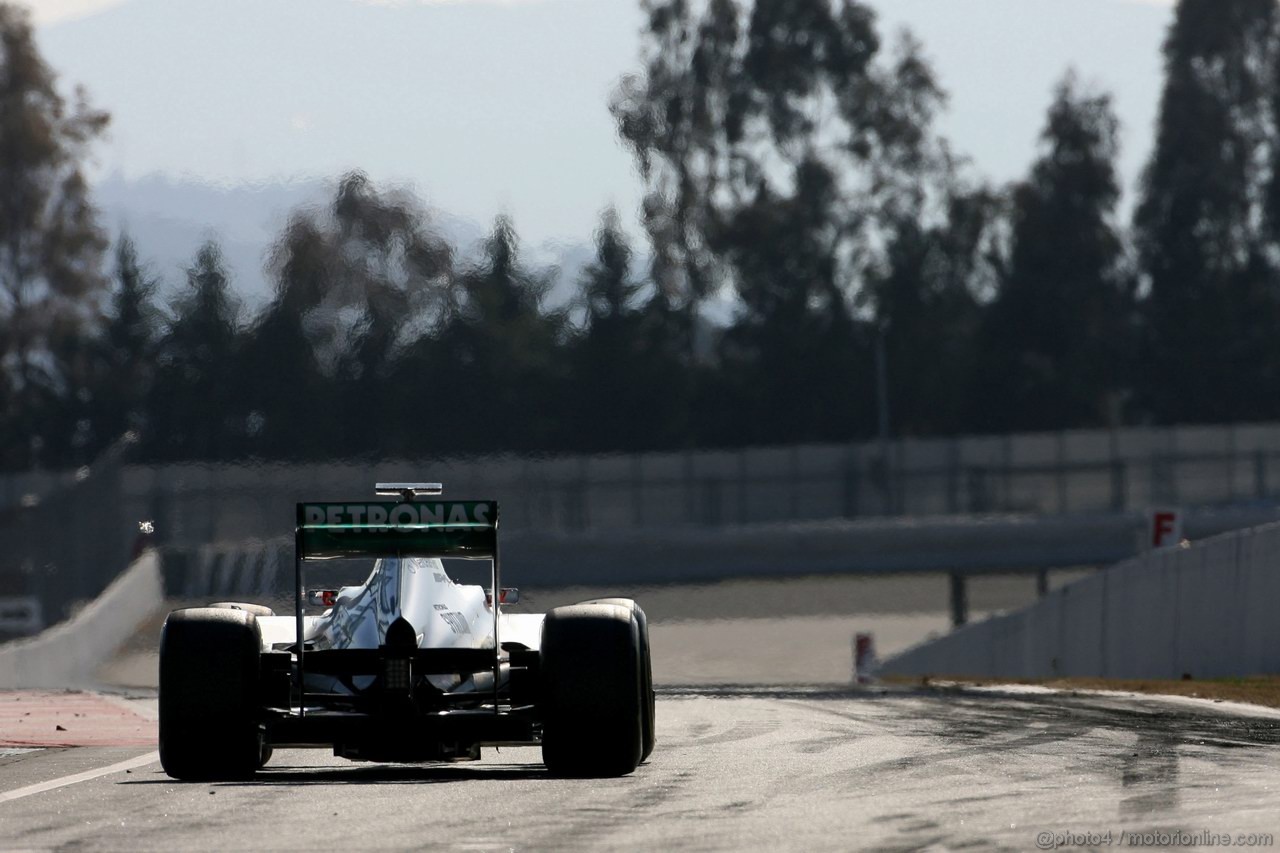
(465, 530)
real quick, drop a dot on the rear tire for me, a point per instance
(648, 697)
(209, 727)
(592, 696)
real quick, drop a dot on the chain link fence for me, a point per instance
(1031, 474)
(66, 537)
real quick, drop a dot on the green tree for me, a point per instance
(289, 403)
(290, 410)
(389, 266)
(493, 378)
(926, 300)
(777, 143)
(678, 116)
(125, 348)
(356, 286)
(1055, 341)
(1210, 305)
(790, 362)
(608, 290)
(195, 401)
(630, 389)
(50, 244)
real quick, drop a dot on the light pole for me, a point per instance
(882, 413)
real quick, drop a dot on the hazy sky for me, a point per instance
(500, 105)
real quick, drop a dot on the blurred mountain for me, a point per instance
(482, 107)
(170, 218)
(492, 106)
(501, 104)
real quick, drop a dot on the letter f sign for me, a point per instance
(1166, 528)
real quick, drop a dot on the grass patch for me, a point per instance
(1253, 690)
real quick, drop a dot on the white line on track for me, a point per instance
(140, 761)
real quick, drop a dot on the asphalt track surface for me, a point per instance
(747, 768)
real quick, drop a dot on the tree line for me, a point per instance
(791, 161)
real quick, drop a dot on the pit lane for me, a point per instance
(783, 768)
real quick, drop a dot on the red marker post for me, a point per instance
(1164, 528)
(865, 662)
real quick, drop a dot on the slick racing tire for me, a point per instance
(648, 737)
(591, 693)
(258, 610)
(209, 673)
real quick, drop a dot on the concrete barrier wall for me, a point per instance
(69, 653)
(1210, 610)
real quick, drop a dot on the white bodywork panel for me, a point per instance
(444, 614)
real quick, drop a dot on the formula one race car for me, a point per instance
(408, 666)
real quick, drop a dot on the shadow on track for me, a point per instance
(990, 710)
(398, 774)
(815, 692)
